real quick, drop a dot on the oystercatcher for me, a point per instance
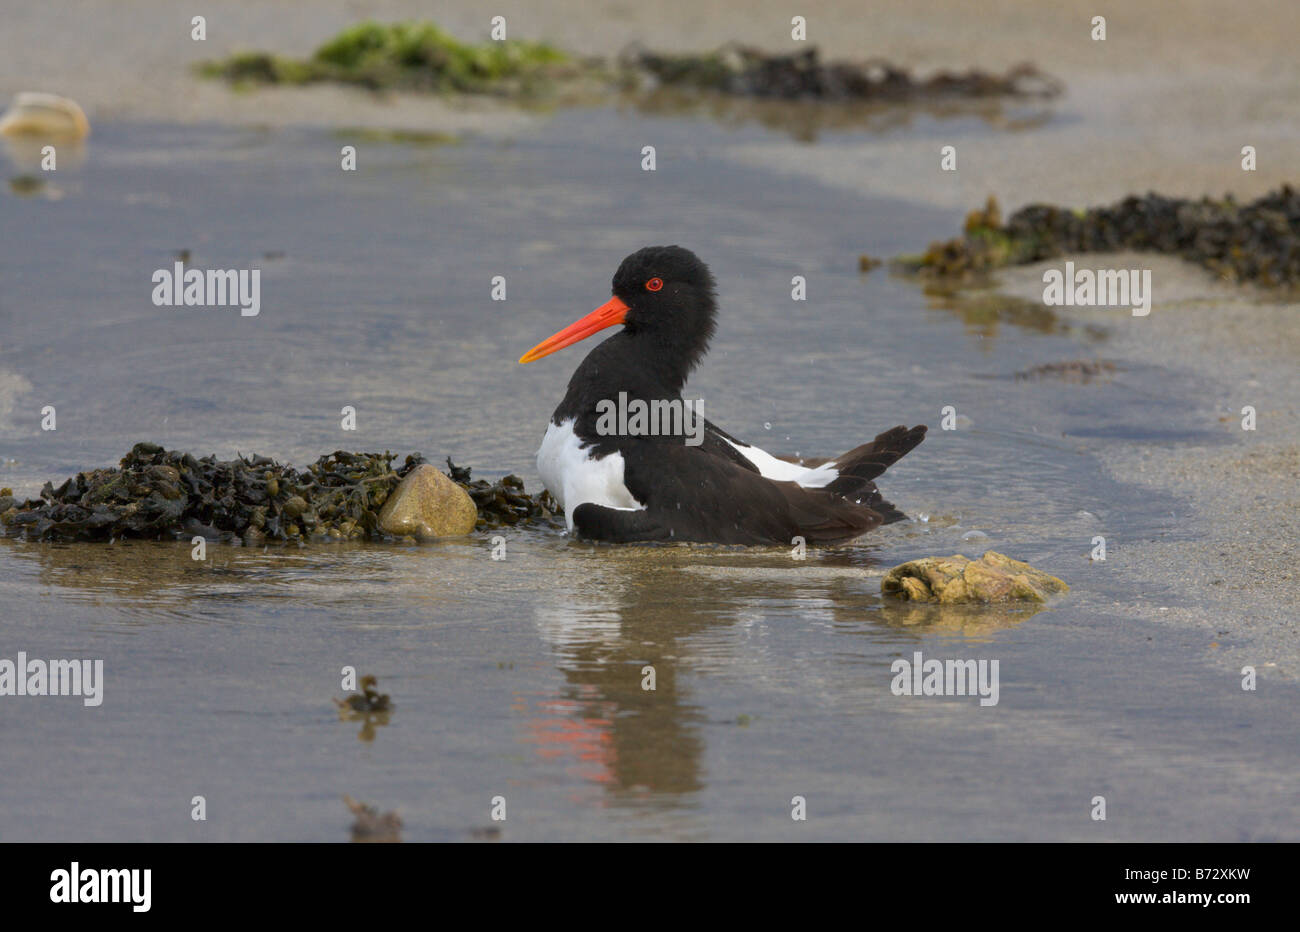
(619, 481)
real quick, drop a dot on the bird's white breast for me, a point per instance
(573, 476)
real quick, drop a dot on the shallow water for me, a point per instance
(522, 678)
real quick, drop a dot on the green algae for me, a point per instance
(406, 136)
(405, 56)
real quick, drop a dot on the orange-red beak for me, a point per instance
(612, 312)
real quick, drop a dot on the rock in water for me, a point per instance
(35, 114)
(991, 578)
(426, 504)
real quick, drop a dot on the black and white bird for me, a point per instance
(616, 484)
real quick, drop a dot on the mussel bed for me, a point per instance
(744, 71)
(161, 494)
(1257, 242)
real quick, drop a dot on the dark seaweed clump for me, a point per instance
(161, 494)
(368, 700)
(1076, 371)
(504, 502)
(750, 72)
(369, 706)
(371, 825)
(1257, 242)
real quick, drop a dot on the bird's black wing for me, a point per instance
(692, 493)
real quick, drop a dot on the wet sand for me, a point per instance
(1238, 574)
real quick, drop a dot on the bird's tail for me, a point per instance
(861, 465)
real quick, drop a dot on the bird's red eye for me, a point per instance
(654, 284)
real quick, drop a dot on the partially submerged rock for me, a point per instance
(425, 505)
(46, 115)
(161, 494)
(991, 578)
(1256, 242)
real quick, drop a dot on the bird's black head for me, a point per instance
(670, 297)
(664, 298)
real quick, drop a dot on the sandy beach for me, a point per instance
(1174, 92)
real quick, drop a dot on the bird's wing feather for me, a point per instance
(693, 493)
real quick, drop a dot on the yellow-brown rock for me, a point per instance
(991, 578)
(426, 504)
(35, 114)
